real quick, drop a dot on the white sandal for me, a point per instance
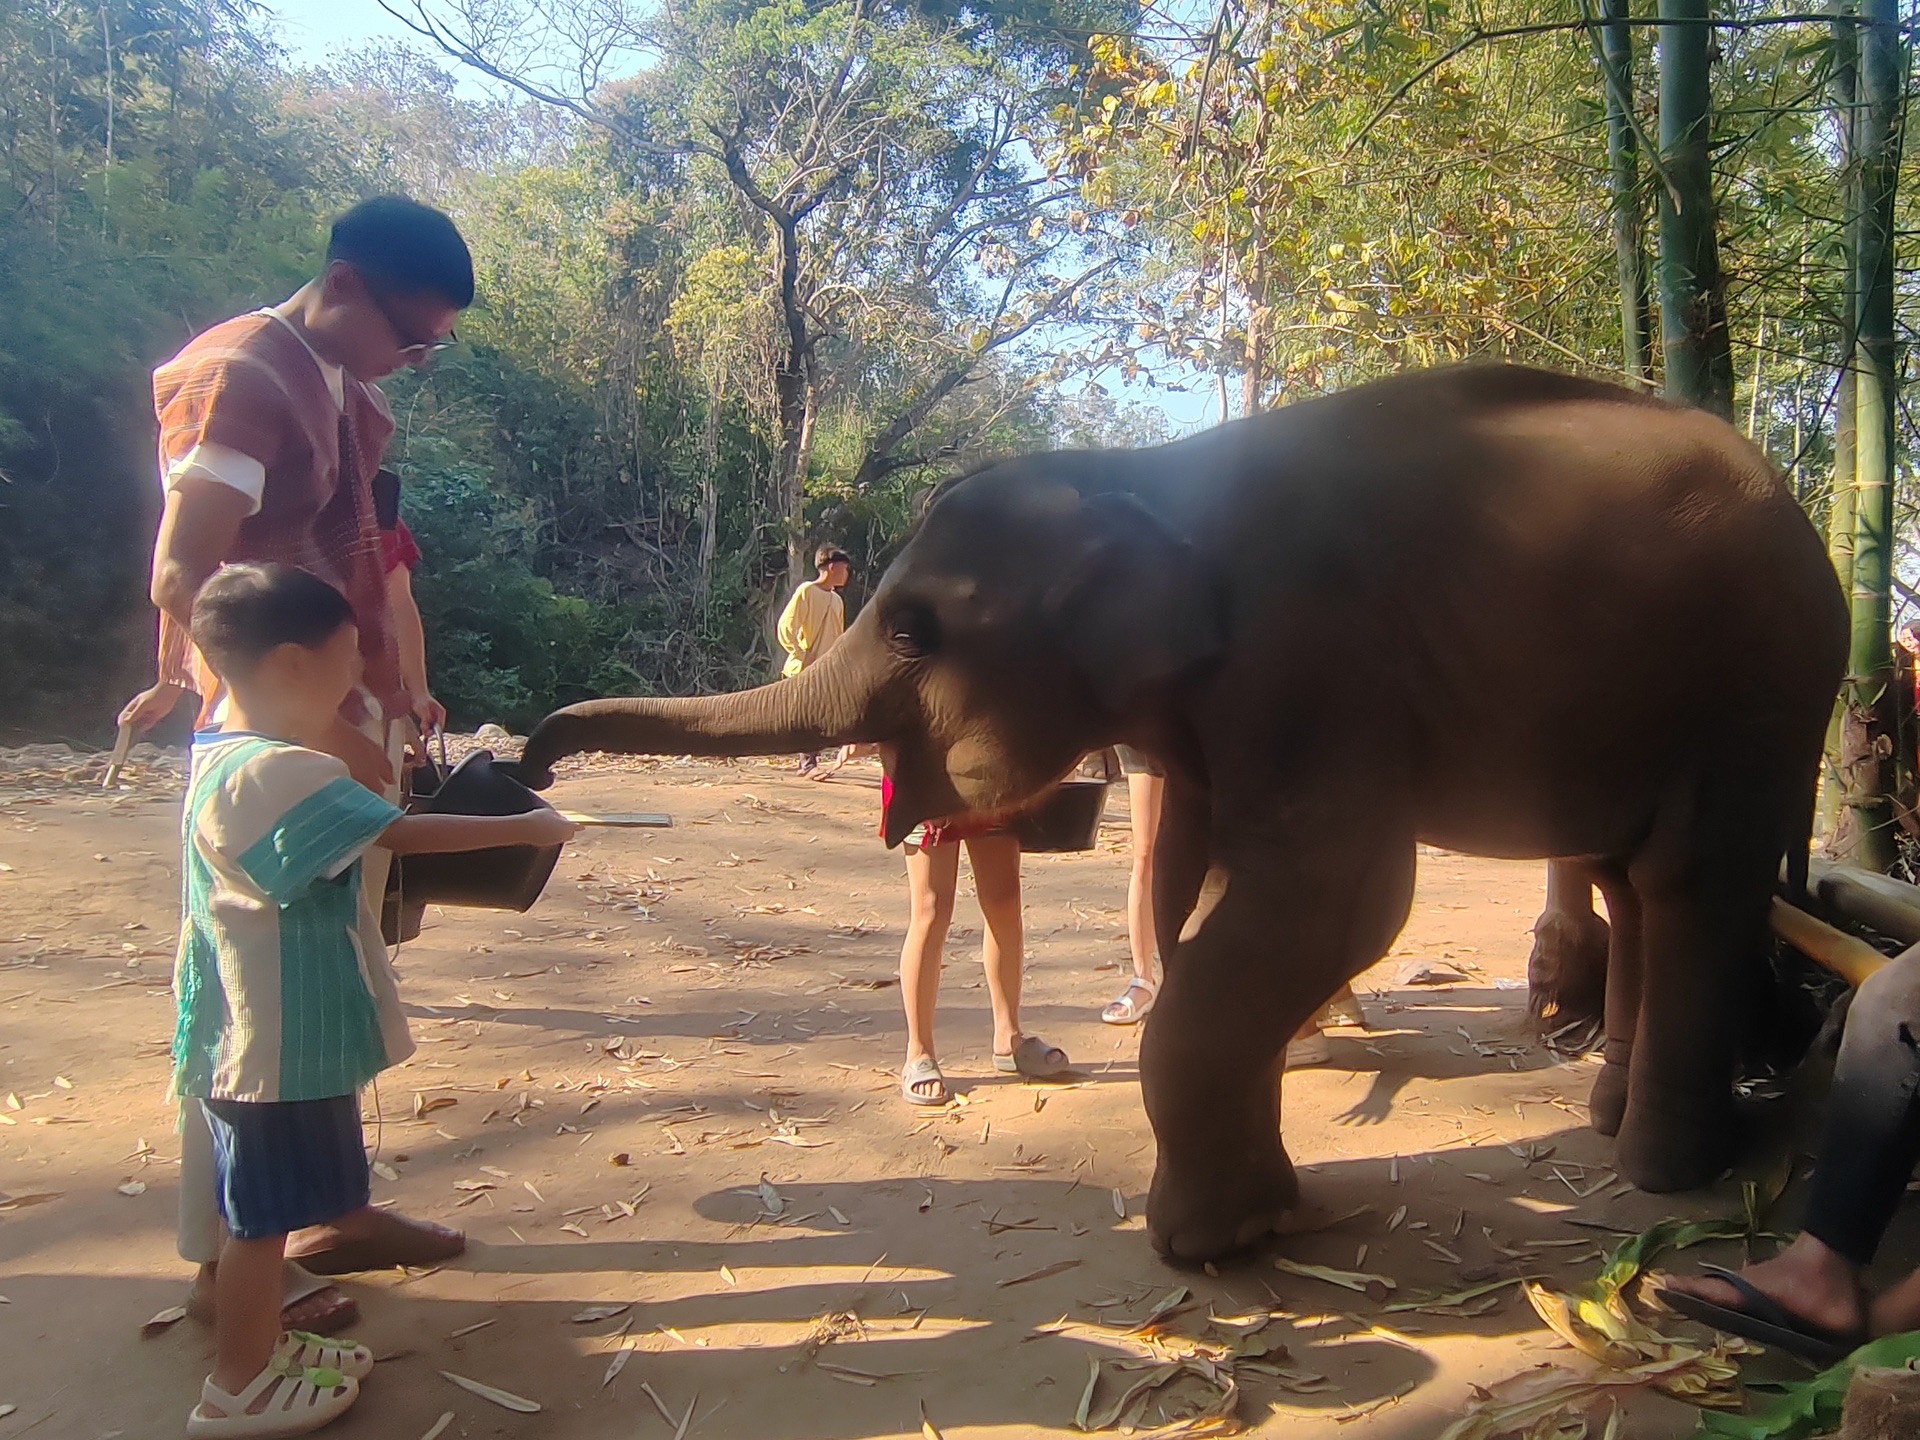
(299, 1399)
(1126, 1010)
(316, 1352)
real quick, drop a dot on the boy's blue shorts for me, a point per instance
(283, 1165)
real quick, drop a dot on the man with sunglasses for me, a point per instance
(272, 429)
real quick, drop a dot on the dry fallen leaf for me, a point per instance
(619, 1361)
(927, 1430)
(469, 1329)
(595, 1313)
(1346, 1279)
(1119, 1203)
(838, 1217)
(385, 1171)
(163, 1322)
(439, 1426)
(132, 1187)
(505, 1399)
(1058, 1267)
(727, 1275)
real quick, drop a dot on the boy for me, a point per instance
(287, 1005)
(815, 617)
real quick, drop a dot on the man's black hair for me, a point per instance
(404, 248)
(244, 612)
(830, 555)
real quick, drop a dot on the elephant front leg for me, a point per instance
(1268, 942)
(1567, 971)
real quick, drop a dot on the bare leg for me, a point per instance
(1145, 794)
(996, 877)
(1607, 1104)
(247, 1310)
(931, 878)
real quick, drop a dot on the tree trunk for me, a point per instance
(1869, 735)
(1693, 335)
(1623, 155)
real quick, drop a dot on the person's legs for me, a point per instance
(1144, 794)
(932, 873)
(1868, 1148)
(996, 877)
(1871, 1138)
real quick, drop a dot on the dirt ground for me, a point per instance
(690, 1010)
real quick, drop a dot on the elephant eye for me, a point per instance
(913, 632)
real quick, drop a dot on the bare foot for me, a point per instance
(308, 1302)
(1808, 1280)
(1896, 1311)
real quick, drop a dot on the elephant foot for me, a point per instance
(1676, 1146)
(1567, 971)
(1195, 1215)
(1607, 1104)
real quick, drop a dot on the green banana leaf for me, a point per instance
(1812, 1407)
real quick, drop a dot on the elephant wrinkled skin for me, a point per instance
(1500, 610)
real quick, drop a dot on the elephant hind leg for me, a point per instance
(1703, 882)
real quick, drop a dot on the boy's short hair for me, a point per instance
(404, 248)
(245, 612)
(831, 555)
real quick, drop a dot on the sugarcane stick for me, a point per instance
(121, 745)
(1853, 960)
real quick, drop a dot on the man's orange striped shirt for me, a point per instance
(252, 385)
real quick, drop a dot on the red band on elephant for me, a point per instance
(933, 832)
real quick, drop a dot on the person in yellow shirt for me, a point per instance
(814, 619)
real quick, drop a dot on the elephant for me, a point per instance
(1479, 607)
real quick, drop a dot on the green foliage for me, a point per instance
(1812, 1407)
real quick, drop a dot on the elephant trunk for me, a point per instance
(823, 705)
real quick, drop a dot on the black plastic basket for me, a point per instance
(1068, 819)
(503, 877)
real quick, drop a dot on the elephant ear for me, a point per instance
(1136, 605)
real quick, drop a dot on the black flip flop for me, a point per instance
(1765, 1321)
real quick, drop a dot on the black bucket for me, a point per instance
(1068, 819)
(504, 877)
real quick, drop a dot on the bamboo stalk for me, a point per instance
(1865, 897)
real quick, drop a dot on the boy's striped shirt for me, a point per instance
(282, 981)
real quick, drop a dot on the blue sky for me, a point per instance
(312, 29)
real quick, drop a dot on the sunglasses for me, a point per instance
(411, 350)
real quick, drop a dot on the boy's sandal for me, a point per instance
(923, 1070)
(1034, 1059)
(1128, 1011)
(305, 1350)
(298, 1399)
